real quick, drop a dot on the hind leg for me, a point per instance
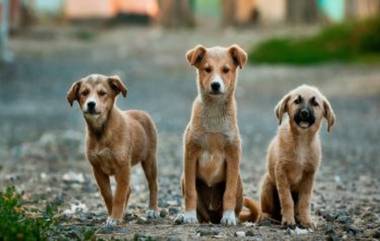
(150, 170)
(268, 202)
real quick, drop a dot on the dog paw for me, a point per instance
(152, 214)
(307, 223)
(228, 218)
(288, 222)
(190, 217)
(110, 222)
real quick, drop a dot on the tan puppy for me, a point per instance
(211, 181)
(115, 141)
(294, 155)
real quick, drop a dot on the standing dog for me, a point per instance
(211, 183)
(294, 156)
(115, 141)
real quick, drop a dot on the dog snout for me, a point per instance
(304, 113)
(215, 86)
(91, 106)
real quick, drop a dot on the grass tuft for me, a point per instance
(351, 41)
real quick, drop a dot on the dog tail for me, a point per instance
(253, 212)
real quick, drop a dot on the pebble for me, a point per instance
(163, 213)
(179, 219)
(207, 232)
(240, 234)
(250, 233)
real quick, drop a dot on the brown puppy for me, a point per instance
(115, 141)
(294, 155)
(211, 183)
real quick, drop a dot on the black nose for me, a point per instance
(304, 113)
(215, 86)
(91, 105)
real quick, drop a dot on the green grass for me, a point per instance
(347, 42)
(18, 222)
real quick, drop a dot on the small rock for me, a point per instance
(350, 229)
(207, 232)
(249, 233)
(179, 219)
(376, 234)
(163, 213)
(240, 234)
(141, 220)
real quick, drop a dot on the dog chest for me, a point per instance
(105, 159)
(211, 167)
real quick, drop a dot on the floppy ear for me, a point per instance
(281, 108)
(72, 94)
(328, 114)
(194, 56)
(239, 56)
(117, 85)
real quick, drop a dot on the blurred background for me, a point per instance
(46, 45)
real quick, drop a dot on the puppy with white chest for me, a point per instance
(211, 182)
(116, 140)
(294, 156)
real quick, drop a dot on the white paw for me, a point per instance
(228, 218)
(190, 217)
(152, 214)
(111, 222)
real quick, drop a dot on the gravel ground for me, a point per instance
(41, 148)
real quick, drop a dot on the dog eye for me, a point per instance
(208, 70)
(298, 100)
(84, 93)
(225, 70)
(102, 93)
(313, 102)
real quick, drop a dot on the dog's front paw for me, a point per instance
(152, 214)
(306, 222)
(228, 218)
(190, 217)
(288, 221)
(110, 222)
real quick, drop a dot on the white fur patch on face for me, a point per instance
(190, 217)
(218, 79)
(228, 218)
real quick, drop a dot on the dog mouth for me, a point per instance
(215, 93)
(91, 113)
(303, 121)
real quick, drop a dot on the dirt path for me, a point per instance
(41, 148)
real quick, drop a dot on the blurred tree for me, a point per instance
(228, 12)
(176, 13)
(302, 11)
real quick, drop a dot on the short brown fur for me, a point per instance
(293, 159)
(115, 141)
(211, 182)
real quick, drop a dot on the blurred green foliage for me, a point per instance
(18, 222)
(351, 41)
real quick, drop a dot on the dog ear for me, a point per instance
(194, 56)
(281, 108)
(239, 56)
(72, 93)
(328, 113)
(117, 85)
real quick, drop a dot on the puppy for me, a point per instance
(116, 140)
(293, 157)
(211, 183)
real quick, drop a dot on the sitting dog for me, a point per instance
(293, 157)
(115, 141)
(211, 183)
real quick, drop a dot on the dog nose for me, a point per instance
(215, 86)
(304, 113)
(91, 105)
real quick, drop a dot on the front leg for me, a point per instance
(189, 185)
(104, 185)
(121, 192)
(303, 204)
(285, 196)
(232, 176)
